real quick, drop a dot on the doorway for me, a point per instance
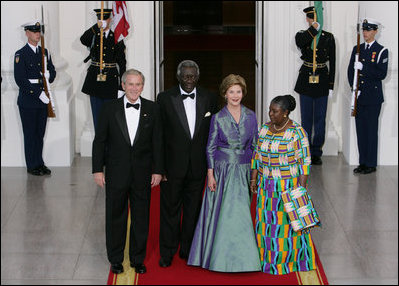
(218, 35)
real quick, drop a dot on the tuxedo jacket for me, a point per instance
(112, 148)
(181, 150)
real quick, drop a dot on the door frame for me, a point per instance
(259, 64)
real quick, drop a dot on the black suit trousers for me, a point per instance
(177, 195)
(117, 200)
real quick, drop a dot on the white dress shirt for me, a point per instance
(34, 48)
(370, 44)
(191, 110)
(132, 118)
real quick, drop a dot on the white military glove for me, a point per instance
(330, 93)
(43, 97)
(358, 66)
(120, 93)
(318, 25)
(102, 24)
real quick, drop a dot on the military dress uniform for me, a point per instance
(375, 66)
(113, 58)
(314, 96)
(33, 112)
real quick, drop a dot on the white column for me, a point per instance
(59, 138)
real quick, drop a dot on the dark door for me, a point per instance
(218, 35)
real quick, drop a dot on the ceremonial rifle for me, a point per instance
(50, 107)
(101, 76)
(355, 87)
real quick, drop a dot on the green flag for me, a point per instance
(318, 7)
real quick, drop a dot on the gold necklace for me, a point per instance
(274, 125)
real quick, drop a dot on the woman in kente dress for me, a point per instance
(281, 161)
(224, 238)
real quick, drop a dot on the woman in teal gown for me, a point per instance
(224, 238)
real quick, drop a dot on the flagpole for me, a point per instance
(101, 76)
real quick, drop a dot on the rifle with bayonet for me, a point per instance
(46, 84)
(355, 87)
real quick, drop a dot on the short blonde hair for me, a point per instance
(229, 81)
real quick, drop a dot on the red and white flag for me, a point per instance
(120, 23)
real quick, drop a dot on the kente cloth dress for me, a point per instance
(280, 158)
(224, 238)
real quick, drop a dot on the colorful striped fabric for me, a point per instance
(280, 159)
(299, 206)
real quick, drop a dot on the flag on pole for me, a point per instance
(318, 7)
(120, 23)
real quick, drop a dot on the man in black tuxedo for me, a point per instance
(186, 111)
(128, 143)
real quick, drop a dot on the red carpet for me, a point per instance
(181, 274)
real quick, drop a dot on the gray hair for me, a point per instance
(132, 71)
(187, 64)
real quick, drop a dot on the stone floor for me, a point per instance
(52, 228)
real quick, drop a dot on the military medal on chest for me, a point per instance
(373, 56)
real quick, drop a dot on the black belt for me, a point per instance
(105, 65)
(310, 65)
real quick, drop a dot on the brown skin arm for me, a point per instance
(253, 185)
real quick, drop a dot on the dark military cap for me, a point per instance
(32, 26)
(106, 15)
(370, 24)
(309, 12)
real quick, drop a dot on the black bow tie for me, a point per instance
(136, 105)
(191, 95)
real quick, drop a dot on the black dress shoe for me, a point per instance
(117, 268)
(36, 172)
(359, 169)
(165, 262)
(45, 170)
(316, 160)
(139, 268)
(368, 170)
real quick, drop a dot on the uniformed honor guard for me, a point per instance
(105, 84)
(315, 88)
(372, 67)
(32, 99)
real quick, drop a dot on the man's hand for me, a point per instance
(358, 66)
(102, 24)
(99, 179)
(155, 180)
(43, 97)
(316, 25)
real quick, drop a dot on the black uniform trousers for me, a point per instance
(313, 116)
(34, 121)
(117, 201)
(96, 104)
(367, 133)
(179, 194)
